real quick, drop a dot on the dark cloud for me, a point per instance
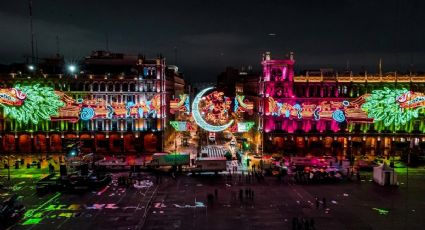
(209, 35)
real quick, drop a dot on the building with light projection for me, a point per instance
(114, 103)
(324, 112)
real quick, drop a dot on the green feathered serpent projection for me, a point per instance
(382, 105)
(40, 104)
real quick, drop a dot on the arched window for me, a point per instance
(102, 87)
(125, 87)
(132, 87)
(95, 86)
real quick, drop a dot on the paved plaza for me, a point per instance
(181, 203)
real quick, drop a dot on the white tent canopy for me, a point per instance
(384, 175)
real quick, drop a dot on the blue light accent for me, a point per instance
(110, 111)
(86, 113)
(338, 116)
(287, 113)
(299, 109)
(128, 107)
(187, 104)
(345, 103)
(140, 111)
(79, 100)
(279, 108)
(236, 105)
(316, 113)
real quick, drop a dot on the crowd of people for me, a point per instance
(316, 176)
(303, 224)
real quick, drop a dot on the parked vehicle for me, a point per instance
(169, 159)
(211, 161)
(210, 165)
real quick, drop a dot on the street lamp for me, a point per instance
(31, 68)
(72, 69)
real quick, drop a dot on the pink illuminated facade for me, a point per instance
(321, 112)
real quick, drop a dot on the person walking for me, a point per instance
(324, 203)
(317, 202)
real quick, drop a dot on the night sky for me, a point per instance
(210, 35)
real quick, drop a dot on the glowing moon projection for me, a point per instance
(198, 118)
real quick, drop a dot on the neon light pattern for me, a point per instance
(87, 113)
(338, 116)
(102, 109)
(179, 125)
(316, 113)
(245, 126)
(198, 118)
(299, 109)
(30, 103)
(392, 106)
(129, 105)
(243, 105)
(110, 111)
(181, 104)
(215, 108)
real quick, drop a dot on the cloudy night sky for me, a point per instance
(210, 35)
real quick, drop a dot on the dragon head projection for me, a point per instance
(393, 106)
(12, 97)
(30, 103)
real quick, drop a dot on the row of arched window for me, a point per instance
(347, 90)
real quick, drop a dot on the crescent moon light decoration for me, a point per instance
(198, 118)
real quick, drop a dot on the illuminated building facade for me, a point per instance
(336, 114)
(114, 103)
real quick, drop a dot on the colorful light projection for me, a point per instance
(243, 105)
(324, 110)
(99, 108)
(243, 127)
(213, 105)
(394, 106)
(389, 106)
(35, 103)
(181, 104)
(32, 103)
(210, 111)
(181, 126)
